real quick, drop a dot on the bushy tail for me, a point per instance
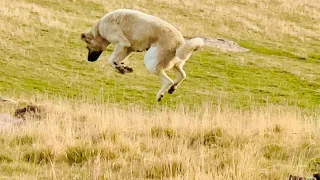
(184, 51)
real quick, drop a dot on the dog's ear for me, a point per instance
(86, 37)
(83, 36)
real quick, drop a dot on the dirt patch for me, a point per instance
(21, 113)
(8, 121)
(316, 176)
(222, 44)
(29, 111)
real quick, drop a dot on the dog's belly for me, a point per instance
(140, 47)
(150, 59)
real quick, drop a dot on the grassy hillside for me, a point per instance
(43, 53)
(252, 115)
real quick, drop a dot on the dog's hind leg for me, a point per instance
(166, 83)
(152, 59)
(180, 76)
(118, 55)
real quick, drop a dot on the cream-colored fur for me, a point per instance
(134, 31)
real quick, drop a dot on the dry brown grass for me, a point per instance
(87, 141)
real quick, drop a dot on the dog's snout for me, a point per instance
(93, 55)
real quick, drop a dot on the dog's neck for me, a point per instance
(103, 42)
(97, 37)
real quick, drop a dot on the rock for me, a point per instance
(222, 44)
(225, 45)
(8, 100)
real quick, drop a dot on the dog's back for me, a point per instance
(142, 30)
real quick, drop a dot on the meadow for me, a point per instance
(252, 115)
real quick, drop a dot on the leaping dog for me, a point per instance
(134, 31)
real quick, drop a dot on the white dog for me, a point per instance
(134, 31)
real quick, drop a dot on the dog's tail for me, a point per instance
(184, 51)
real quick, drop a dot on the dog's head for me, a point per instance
(95, 45)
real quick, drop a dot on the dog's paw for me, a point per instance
(121, 70)
(159, 98)
(128, 69)
(172, 89)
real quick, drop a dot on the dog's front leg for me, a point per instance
(119, 54)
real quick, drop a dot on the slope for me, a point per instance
(42, 54)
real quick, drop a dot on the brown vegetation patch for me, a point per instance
(29, 111)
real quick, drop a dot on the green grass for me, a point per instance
(51, 61)
(222, 76)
